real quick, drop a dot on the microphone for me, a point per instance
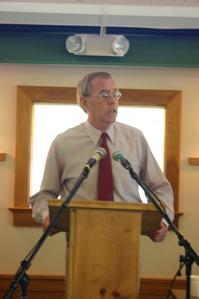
(117, 156)
(99, 154)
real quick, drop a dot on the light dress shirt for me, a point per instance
(69, 153)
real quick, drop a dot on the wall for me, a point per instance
(157, 260)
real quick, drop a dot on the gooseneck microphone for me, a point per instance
(190, 255)
(99, 154)
(117, 156)
(21, 276)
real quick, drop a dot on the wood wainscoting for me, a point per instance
(52, 287)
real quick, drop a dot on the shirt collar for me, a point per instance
(95, 134)
(110, 133)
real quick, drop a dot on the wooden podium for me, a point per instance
(104, 240)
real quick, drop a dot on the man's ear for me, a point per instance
(83, 101)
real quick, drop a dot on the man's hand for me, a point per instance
(159, 234)
(45, 225)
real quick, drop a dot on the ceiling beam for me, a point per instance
(170, 17)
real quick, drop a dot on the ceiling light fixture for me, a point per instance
(97, 45)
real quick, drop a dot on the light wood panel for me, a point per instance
(104, 254)
(150, 217)
(104, 246)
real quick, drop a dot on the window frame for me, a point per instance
(28, 95)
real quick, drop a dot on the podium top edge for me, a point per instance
(100, 204)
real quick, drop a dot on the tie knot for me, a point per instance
(104, 136)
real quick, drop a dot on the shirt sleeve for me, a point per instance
(50, 186)
(155, 179)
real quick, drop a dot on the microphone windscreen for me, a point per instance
(102, 152)
(117, 156)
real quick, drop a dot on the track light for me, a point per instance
(97, 45)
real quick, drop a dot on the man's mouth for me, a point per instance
(114, 110)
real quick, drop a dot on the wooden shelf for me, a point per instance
(194, 161)
(2, 156)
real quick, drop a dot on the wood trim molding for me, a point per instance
(40, 287)
(194, 161)
(28, 95)
(2, 156)
(47, 287)
(23, 217)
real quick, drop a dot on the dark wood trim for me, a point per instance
(47, 287)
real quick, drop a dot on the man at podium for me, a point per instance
(99, 97)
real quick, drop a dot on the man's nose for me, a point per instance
(112, 99)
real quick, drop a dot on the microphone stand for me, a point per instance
(21, 277)
(190, 255)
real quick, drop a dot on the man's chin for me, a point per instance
(110, 122)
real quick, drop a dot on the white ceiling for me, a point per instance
(120, 13)
(116, 2)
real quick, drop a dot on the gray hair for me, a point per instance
(84, 87)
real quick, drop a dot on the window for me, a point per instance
(150, 120)
(27, 96)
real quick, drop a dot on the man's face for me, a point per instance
(102, 112)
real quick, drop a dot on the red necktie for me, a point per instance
(105, 176)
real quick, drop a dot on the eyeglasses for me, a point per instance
(107, 94)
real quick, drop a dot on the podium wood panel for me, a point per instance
(104, 247)
(104, 254)
(150, 217)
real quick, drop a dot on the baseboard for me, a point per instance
(157, 288)
(39, 287)
(50, 287)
